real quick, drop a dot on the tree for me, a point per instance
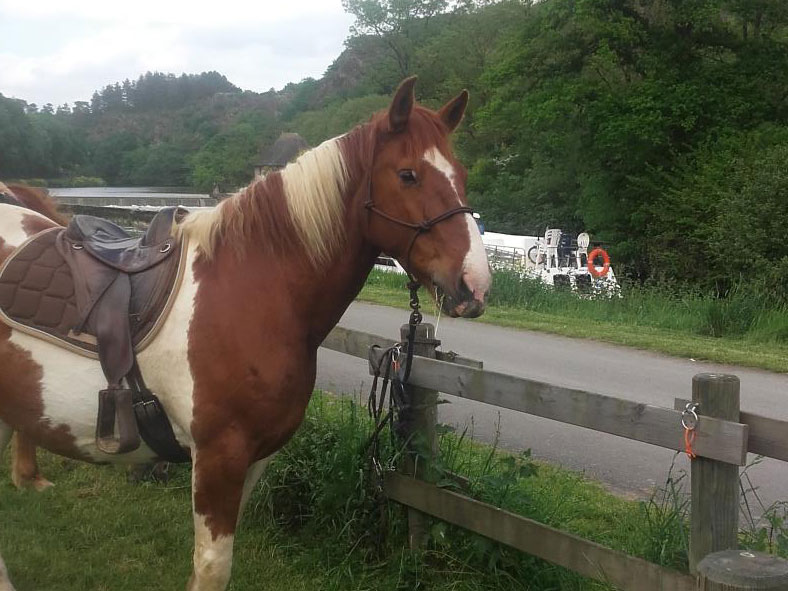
(16, 135)
(396, 22)
(81, 108)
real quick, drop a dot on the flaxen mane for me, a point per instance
(303, 205)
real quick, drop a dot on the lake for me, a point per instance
(157, 196)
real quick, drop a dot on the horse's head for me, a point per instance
(418, 211)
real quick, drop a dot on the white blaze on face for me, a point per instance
(475, 270)
(434, 157)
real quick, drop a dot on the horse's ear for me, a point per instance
(451, 113)
(402, 105)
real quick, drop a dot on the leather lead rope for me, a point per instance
(395, 382)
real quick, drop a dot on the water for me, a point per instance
(128, 192)
(151, 196)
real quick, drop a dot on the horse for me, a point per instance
(269, 272)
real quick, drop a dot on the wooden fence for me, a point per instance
(724, 435)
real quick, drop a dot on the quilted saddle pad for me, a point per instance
(38, 296)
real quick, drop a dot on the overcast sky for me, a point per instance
(56, 51)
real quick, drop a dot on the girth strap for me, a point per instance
(154, 425)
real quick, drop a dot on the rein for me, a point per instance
(395, 383)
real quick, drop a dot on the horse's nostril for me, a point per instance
(465, 292)
(473, 290)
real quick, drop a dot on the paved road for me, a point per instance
(627, 467)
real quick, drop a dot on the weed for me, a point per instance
(765, 527)
(664, 529)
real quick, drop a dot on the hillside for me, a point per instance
(660, 126)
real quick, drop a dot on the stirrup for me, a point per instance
(115, 408)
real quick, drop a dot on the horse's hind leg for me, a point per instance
(24, 471)
(5, 437)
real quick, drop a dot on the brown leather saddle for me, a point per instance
(95, 289)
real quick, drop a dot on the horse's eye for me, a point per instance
(407, 176)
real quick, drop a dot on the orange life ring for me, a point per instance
(605, 258)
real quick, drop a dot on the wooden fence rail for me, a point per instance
(767, 437)
(716, 439)
(723, 438)
(564, 549)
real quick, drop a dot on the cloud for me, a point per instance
(56, 52)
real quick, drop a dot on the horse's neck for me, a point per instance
(313, 298)
(335, 288)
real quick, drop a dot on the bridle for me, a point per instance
(396, 381)
(418, 228)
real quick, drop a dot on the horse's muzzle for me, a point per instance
(465, 303)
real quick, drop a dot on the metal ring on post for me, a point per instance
(689, 417)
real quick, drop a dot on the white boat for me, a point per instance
(387, 263)
(558, 259)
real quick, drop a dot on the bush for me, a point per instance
(319, 488)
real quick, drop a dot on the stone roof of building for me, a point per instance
(283, 150)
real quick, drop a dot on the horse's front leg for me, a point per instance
(221, 484)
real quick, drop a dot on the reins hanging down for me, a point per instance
(395, 384)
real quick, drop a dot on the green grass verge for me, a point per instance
(749, 332)
(315, 522)
(312, 524)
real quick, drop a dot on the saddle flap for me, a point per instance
(110, 318)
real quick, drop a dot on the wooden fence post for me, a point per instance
(714, 518)
(421, 420)
(738, 570)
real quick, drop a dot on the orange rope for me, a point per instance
(689, 440)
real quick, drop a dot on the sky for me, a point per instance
(55, 51)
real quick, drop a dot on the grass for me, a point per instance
(316, 523)
(742, 329)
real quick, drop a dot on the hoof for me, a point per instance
(37, 483)
(41, 484)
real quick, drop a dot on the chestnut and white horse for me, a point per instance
(269, 273)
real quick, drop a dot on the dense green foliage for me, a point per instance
(660, 126)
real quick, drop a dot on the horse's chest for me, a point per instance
(261, 397)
